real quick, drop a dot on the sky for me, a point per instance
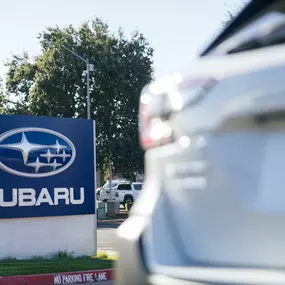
(177, 30)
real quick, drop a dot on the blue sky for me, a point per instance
(177, 30)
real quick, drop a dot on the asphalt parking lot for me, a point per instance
(106, 238)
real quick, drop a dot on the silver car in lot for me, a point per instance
(212, 210)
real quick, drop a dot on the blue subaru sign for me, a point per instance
(47, 166)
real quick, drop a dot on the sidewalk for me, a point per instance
(110, 221)
(117, 219)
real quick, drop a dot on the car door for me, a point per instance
(137, 187)
(123, 190)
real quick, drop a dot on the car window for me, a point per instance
(124, 187)
(107, 185)
(138, 186)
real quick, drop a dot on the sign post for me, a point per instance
(47, 186)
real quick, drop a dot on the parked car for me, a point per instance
(214, 165)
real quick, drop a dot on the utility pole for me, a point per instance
(110, 172)
(88, 88)
(89, 67)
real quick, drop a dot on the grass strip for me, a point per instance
(41, 265)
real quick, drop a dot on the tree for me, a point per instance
(229, 17)
(53, 84)
(231, 12)
(19, 81)
(2, 97)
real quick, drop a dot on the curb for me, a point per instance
(60, 278)
(113, 221)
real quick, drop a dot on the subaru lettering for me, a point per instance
(30, 197)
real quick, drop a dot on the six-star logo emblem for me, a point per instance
(35, 152)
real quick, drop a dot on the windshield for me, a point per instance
(106, 185)
(137, 186)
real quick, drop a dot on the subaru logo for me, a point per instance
(35, 152)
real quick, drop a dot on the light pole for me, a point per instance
(89, 67)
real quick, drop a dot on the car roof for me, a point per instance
(247, 14)
(114, 181)
(129, 182)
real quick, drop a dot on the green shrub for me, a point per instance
(102, 254)
(38, 258)
(63, 254)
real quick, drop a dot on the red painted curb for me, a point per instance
(60, 278)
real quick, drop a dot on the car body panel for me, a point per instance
(216, 166)
(124, 189)
(222, 169)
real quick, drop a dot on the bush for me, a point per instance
(102, 254)
(63, 254)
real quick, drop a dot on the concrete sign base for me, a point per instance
(23, 238)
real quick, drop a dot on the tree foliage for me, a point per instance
(54, 84)
(2, 97)
(232, 11)
(229, 17)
